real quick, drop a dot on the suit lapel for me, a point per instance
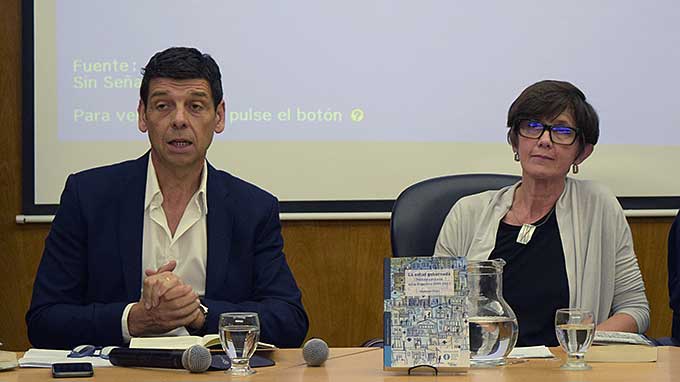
(220, 223)
(131, 226)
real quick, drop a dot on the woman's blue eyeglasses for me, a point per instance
(559, 133)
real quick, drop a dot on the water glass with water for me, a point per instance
(575, 329)
(239, 334)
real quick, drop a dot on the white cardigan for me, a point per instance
(602, 269)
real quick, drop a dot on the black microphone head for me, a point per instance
(196, 359)
(315, 352)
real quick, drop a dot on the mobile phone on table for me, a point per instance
(72, 370)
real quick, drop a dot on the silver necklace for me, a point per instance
(527, 230)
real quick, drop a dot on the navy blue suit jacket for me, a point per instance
(91, 267)
(674, 274)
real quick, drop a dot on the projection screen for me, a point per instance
(339, 106)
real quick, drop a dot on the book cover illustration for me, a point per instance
(425, 314)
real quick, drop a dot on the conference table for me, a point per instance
(365, 364)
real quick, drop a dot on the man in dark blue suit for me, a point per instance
(165, 243)
(674, 276)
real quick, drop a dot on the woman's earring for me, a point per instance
(574, 168)
(516, 156)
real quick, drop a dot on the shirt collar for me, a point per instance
(154, 198)
(203, 189)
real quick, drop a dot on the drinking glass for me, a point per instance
(575, 329)
(239, 333)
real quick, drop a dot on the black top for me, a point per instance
(534, 279)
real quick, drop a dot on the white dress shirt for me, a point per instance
(188, 246)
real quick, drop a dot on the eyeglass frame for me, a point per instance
(82, 351)
(549, 128)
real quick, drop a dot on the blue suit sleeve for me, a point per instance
(276, 297)
(60, 315)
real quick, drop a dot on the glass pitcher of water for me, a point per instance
(492, 323)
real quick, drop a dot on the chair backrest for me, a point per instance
(420, 210)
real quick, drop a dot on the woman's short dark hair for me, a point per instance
(548, 99)
(182, 63)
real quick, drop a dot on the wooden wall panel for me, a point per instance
(17, 244)
(338, 264)
(650, 239)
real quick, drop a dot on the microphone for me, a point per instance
(315, 352)
(196, 359)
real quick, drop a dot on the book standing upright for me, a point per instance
(425, 313)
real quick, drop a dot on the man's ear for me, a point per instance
(587, 150)
(141, 117)
(220, 113)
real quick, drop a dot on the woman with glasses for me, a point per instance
(565, 241)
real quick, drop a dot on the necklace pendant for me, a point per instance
(525, 233)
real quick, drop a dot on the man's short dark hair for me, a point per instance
(182, 63)
(548, 99)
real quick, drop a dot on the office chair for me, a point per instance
(420, 210)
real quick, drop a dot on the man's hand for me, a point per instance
(157, 283)
(166, 304)
(181, 310)
(169, 267)
(199, 322)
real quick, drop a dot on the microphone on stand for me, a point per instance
(315, 352)
(196, 359)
